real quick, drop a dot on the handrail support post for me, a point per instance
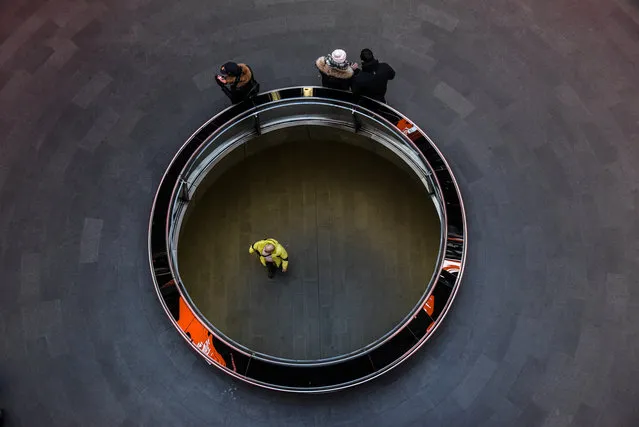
(184, 191)
(257, 124)
(356, 121)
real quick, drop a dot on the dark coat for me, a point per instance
(239, 89)
(334, 78)
(373, 79)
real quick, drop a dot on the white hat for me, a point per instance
(339, 56)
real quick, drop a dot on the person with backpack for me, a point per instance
(237, 81)
(336, 72)
(372, 80)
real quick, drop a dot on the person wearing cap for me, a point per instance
(372, 80)
(335, 70)
(237, 81)
(272, 255)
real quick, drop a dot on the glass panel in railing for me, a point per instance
(301, 110)
(391, 131)
(216, 144)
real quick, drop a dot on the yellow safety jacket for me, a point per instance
(279, 255)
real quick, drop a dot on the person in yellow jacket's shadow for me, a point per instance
(272, 255)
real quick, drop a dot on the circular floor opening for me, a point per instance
(363, 238)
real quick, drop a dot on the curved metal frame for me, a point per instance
(326, 374)
(424, 175)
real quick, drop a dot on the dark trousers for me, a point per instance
(238, 95)
(272, 268)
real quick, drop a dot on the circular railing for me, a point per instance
(308, 106)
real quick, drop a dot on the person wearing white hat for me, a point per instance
(335, 70)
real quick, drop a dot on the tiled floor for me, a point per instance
(534, 103)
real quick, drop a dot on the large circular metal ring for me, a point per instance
(288, 107)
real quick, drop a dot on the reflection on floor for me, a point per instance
(361, 237)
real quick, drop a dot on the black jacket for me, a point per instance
(240, 88)
(373, 79)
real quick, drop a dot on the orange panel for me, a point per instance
(429, 305)
(408, 129)
(198, 333)
(452, 266)
(185, 316)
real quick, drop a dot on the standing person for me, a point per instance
(237, 81)
(335, 70)
(272, 255)
(373, 78)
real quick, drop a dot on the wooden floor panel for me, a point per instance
(361, 237)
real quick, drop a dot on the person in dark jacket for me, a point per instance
(237, 81)
(335, 70)
(372, 80)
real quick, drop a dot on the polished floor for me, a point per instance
(534, 103)
(362, 237)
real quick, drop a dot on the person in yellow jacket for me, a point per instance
(272, 255)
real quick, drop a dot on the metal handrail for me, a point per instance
(370, 362)
(324, 102)
(248, 115)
